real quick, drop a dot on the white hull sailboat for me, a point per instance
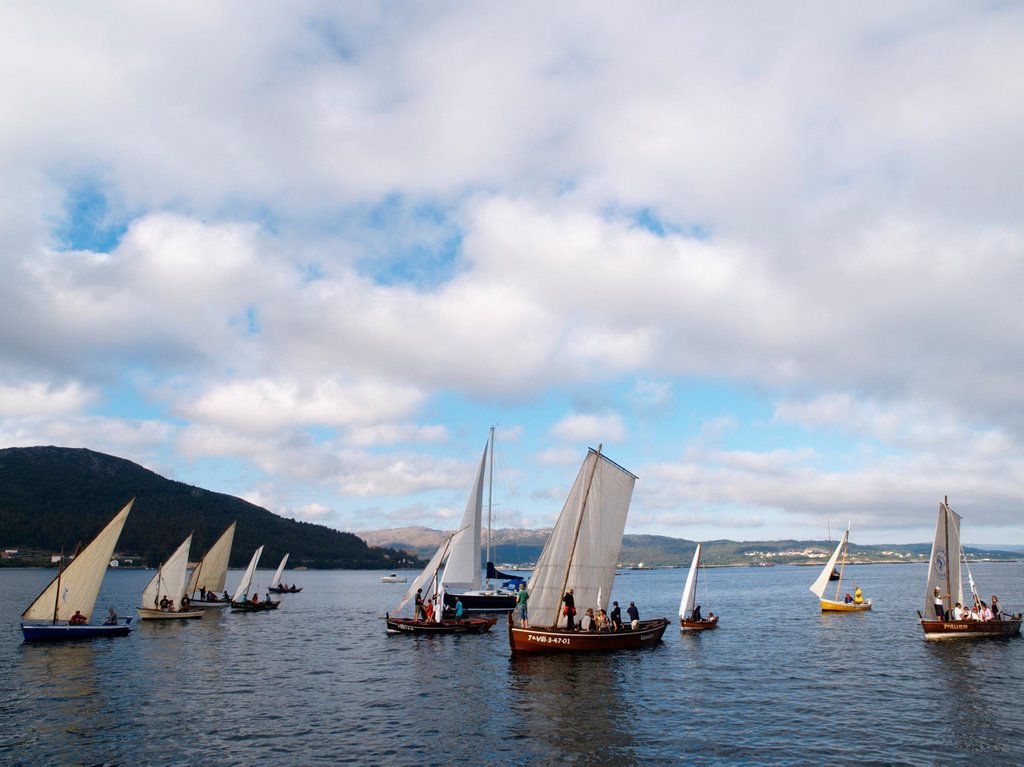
(207, 580)
(945, 584)
(462, 574)
(168, 585)
(855, 604)
(690, 618)
(581, 553)
(64, 608)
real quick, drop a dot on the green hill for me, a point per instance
(54, 498)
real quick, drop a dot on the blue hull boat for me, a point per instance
(55, 632)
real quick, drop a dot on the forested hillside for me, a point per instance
(54, 498)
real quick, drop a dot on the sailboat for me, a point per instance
(461, 579)
(687, 620)
(428, 584)
(819, 586)
(944, 583)
(207, 580)
(168, 584)
(581, 554)
(240, 602)
(64, 607)
(275, 582)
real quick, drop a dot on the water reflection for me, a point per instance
(571, 706)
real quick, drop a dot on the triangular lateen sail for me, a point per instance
(818, 587)
(169, 580)
(212, 570)
(462, 570)
(276, 581)
(243, 586)
(77, 586)
(690, 589)
(426, 578)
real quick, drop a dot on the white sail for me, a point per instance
(818, 587)
(212, 569)
(583, 549)
(426, 578)
(243, 587)
(280, 571)
(690, 589)
(78, 585)
(944, 564)
(463, 568)
(169, 580)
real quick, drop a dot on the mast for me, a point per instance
(579, 523)
(56, 597)
(490, 487)
(945, 528)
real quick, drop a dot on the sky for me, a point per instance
(768, 256)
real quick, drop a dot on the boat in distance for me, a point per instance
(690, 618)
(848, 604)
(393, 578)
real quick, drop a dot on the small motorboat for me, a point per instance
(393, 578)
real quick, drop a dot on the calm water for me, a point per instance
(320, 682)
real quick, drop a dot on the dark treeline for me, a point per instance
(54, 498)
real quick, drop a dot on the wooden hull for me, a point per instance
(46, 632)
(483, 602)
(464, 626)
(934, 629)
(832, 606)
(205, 604)
(147, 614)
(274, 590)
(251, 607)
(701, 625)
(543, 640)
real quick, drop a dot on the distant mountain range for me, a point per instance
(54, 498)
(523, 547)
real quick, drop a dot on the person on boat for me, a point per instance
(997, 613)
(958, 612)
(458, 608)
(77, 619)
(616, 617)
(111, 618)
(602, 620)
(939, 605)
(521, 598)
(202, 593)
(439, 605)
(255, 598)
(163, 603)
(428, 611)
(848, 599)
(711, 617)
(588, 623)
(226, 598)
(186, 603)
(569, 611)
(419, 610)
(986, 612)
(695, 615)
(634, 616)
(858, 596)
